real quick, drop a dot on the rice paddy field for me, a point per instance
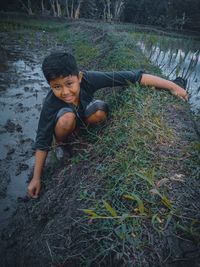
(125, 193)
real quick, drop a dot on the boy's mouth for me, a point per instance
(68, 98)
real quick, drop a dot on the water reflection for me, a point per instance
(175, 62)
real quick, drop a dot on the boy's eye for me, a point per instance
(57, 87)
(68, 83)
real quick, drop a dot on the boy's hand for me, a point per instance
(34, 187)
(175, 87)
(178, 91)
(179, 86)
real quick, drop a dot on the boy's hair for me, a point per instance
(59, 64)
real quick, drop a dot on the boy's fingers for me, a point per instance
(32, 192)
(29, 192)
(183, 97)
(34, 188)
(186, 97)
(37, 192)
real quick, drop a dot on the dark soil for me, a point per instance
(184, 189)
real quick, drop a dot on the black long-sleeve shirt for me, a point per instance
(91, 82)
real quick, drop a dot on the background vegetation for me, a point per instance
(171, 14)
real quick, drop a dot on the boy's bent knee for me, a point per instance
(97, 117)
(65, 125)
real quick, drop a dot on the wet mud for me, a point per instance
(22, 89)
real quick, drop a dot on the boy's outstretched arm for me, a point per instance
(35, 184)
(151, 80)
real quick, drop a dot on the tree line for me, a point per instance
(176, 14)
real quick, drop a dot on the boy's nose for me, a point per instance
(65, 90)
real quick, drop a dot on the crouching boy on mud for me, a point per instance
(70, 102)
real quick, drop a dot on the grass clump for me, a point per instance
(133, 202)
(13, 24)
(130, 199)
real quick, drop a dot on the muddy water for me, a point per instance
(173, 62)
(22, 90)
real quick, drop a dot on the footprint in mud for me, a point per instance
(27, 141)
(26, 89)
(36, 74)
(11, 127)
(11, 151)
(27, 145)
(9, 154)
(21, 167)
(19, 95)
(20, 108)
(29, 89)
(38, 107)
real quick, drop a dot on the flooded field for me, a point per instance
(176, 57)
(22, 90)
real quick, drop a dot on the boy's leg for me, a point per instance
(98, 116)
(65, 124)
(96, 112)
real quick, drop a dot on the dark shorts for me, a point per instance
(91, 108)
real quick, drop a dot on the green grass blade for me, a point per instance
(146, 178)
(109, 208)
(134, 197)
(90, 212)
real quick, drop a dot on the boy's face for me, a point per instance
(67, 88)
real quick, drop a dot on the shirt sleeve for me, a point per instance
(97, 79)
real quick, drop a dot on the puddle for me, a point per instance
(173, 62)
(22, 90)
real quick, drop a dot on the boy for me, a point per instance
(70, 101)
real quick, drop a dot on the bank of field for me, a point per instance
(127, 193)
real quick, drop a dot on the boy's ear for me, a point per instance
(80, 76)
